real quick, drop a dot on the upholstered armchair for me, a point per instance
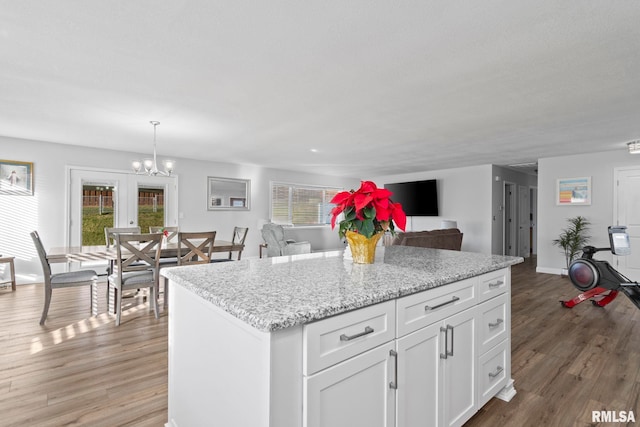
(277, 245)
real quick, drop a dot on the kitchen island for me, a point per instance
(421, 337)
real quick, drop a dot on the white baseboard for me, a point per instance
(557, 271)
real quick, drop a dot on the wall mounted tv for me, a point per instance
(418, 198)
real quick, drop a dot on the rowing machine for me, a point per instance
(598, 280)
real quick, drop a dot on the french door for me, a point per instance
(101, 198)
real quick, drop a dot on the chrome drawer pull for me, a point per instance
(452, 300)
(498, 323)
(497, 284)
(345, 337)
(394, 384)
(497, 372)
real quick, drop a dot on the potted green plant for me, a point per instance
(573, 238)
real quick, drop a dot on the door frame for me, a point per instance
(131, 181)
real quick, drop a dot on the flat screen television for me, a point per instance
(418, 198)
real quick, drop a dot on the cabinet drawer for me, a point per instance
(493, 371)
(494, 283)
(494, 322)
(424, 308)
(340, 337)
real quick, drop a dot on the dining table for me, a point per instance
(103, 252)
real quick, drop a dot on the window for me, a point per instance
(301, 204)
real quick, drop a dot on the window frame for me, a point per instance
(293, 186)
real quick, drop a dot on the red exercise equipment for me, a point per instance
(598, 280)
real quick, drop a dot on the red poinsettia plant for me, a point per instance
(368, 210)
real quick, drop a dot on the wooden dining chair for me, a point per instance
(109, 234)
(238, 238)
(239, 235)
(195, 247)
(172, 232)
(136, 267)
(110, 240)
(63, 280)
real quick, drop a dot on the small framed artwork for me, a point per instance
(16, 177)
(573, 191)
(228, 193)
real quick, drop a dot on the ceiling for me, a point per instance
(372, 86)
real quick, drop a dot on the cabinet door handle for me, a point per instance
(449, 327)
(345, 337)
(451, 301)
(496, 373)
(394, 384)
(498, 323)
(496, 284)
(446, 343)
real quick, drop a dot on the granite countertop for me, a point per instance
(276, 293)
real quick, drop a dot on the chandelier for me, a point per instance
(150, 166)
(634, 146)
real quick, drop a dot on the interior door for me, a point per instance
(627, 212)
(533, 200)
(509, 218)
(524, 222)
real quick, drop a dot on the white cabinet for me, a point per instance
(356, 392)
(459, 365)
(453, 350)
(429, 359)
(419, 382)
(436, 373)
(349, 363)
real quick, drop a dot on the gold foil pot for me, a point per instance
(363, 250)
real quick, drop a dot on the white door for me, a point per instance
(123, 204)
(419, 377)
(524, 222)
(627, 212)
(115, 215)
(354, 393)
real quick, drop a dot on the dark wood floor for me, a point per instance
(79, 370)
(566, 363)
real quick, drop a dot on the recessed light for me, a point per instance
(314, 150)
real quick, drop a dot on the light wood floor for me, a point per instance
(78, 370)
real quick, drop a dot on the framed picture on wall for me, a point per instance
(16, 178)
(573, 191)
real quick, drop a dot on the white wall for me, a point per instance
(45, 210)
(464, 195)
(552, 218)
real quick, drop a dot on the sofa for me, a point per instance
(448, 238)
